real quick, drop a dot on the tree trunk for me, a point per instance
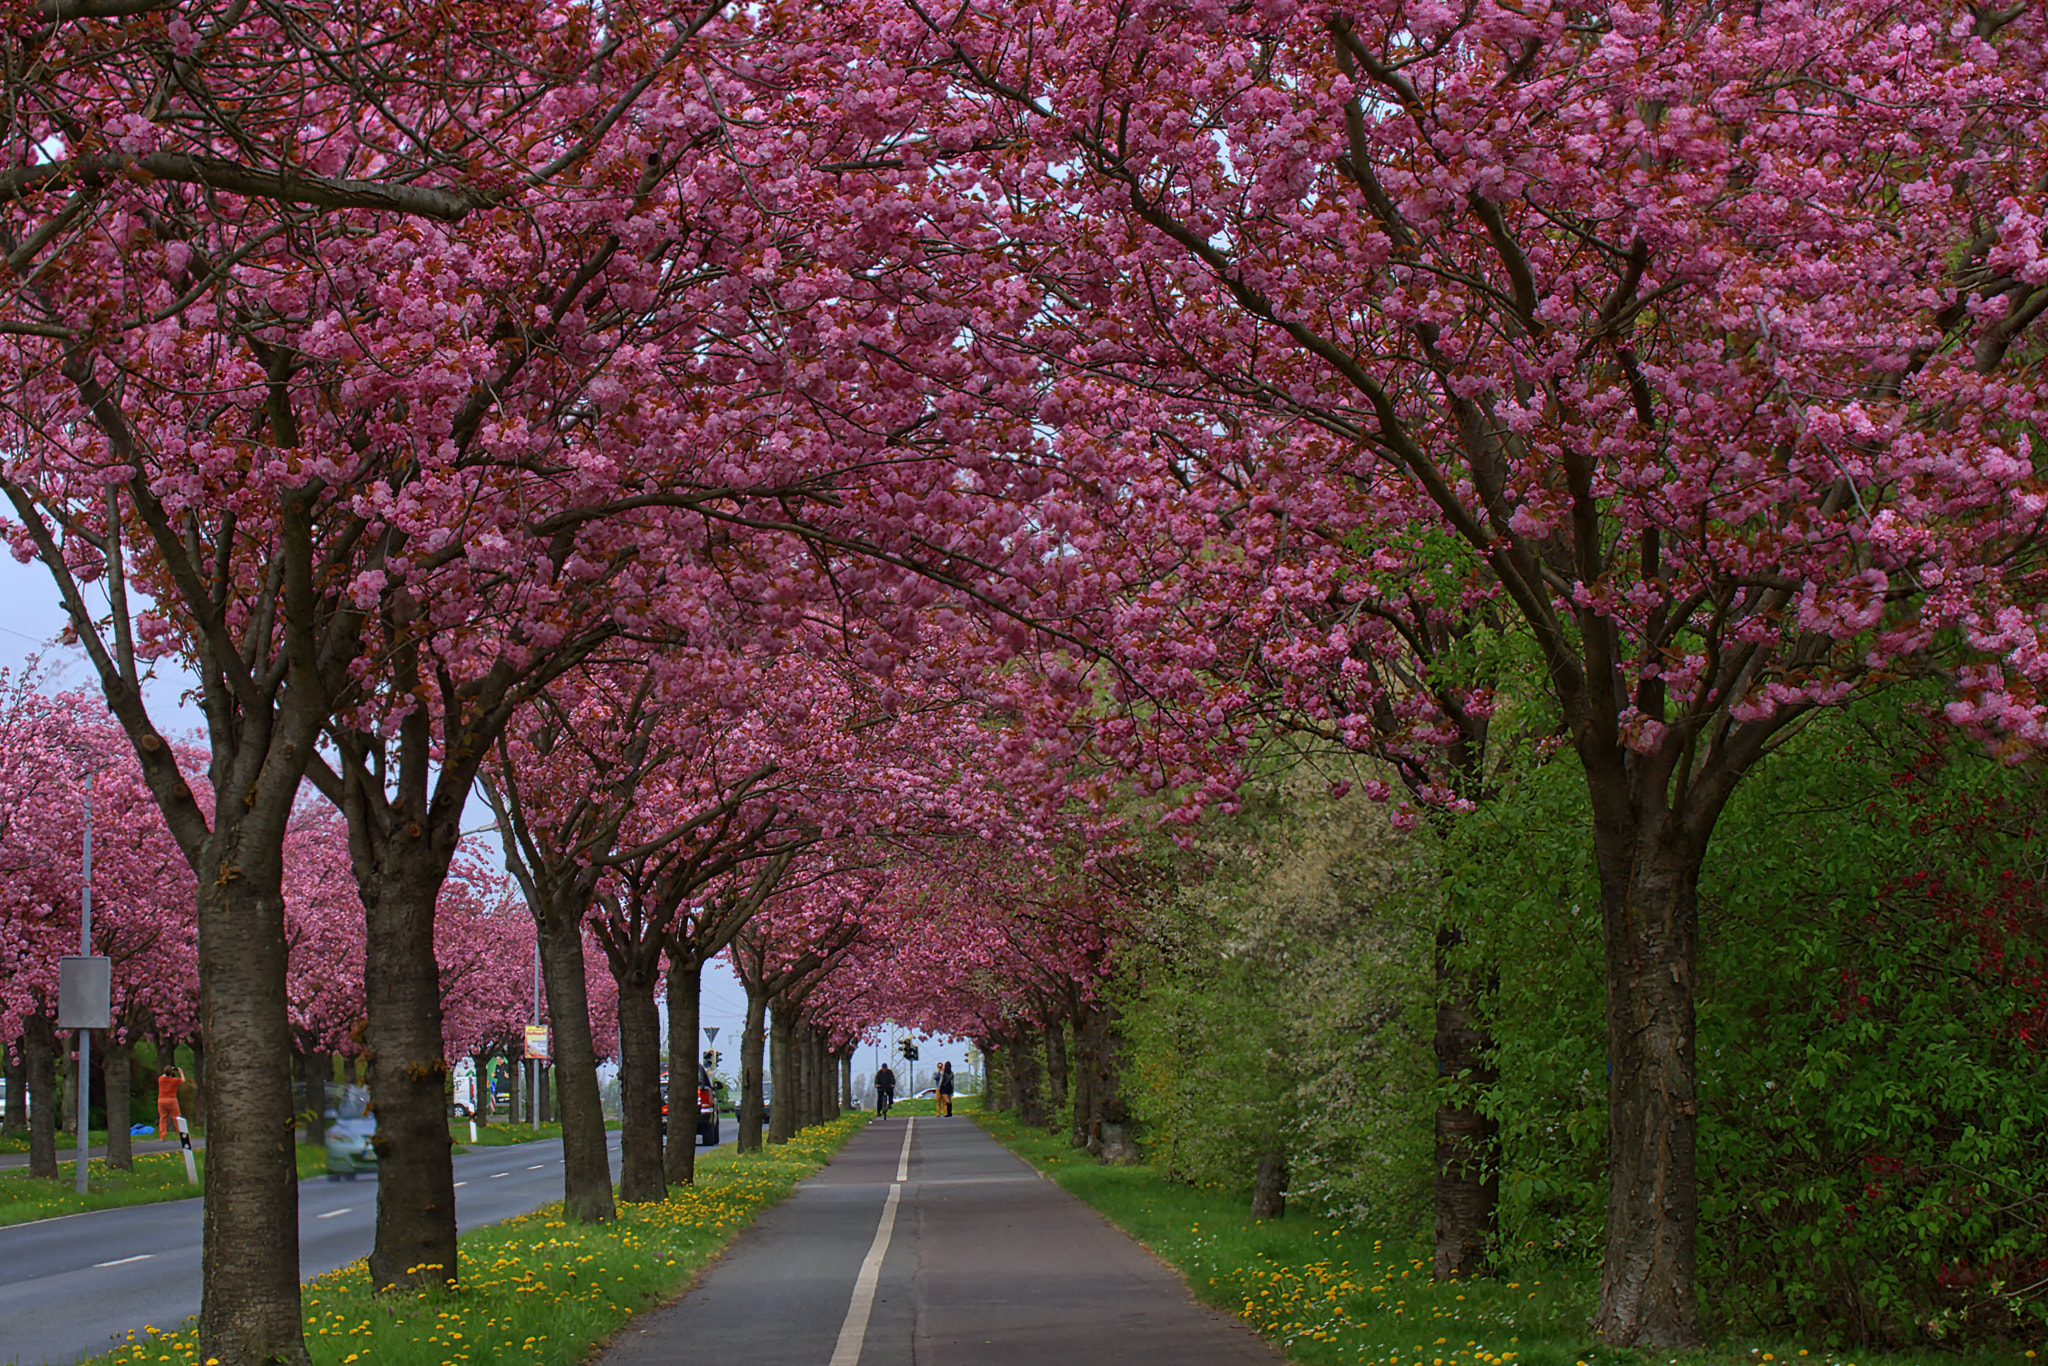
(993, 1061)
(197, 1119)
(750, 1073)
(1269, 1185)
(819, 1079)
(586, 1165)
(16, 1074)
(1649, 895)
(1056, 1067)
(39, 1052)
(116, 1060)
(1100, 1041)
(685, 983)
(806, 1078)
(817, 1069)
(249, 1307)
(67, 1088)
(1028, 1081)
(845, 1081)
(408, 1073)
(1086, 1108)
(781, 1071)
(1467, 1176)
(319, 1072)
(641, 1178)
(515, 1088)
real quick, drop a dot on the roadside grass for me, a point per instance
(18, 1142)
(1324, 1293)
(912, 1108)
(156, 1177)
(538, 1289)
(504, 1133)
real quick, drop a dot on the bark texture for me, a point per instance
(642, 1179)
(319, 1071)
(586, 1165)
(782, 1070)
(117, 1064)
(1467, 1180)
(39, 1049)
(685, 986)
(751, 1048)
(1269, 1185)
(408, 1074)
(1056, 1087)
(249, 1310)
(16, 1075)
(1647, 1296)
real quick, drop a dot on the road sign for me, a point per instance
(537, 1043)
(85, 993)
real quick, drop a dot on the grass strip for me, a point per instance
(505, 1134)
(538, 1289)
(156, 1177)
(1325, 1293)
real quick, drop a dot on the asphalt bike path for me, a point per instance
(73, 1286)
(925, 1241)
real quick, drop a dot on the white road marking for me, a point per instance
(462, 1183)
(334, 1213)
(123, 1261)
(496, 1175)
(854, 1331)
(536, 1166)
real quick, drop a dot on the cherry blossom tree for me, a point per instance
(56, 752)
(192, 293)
(1704, 346)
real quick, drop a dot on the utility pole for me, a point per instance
(85, 1035)
(533, 1091)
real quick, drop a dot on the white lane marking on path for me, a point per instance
(335, 1213)
(462, 1183)
(853, 1333)
(123, 1261)
(536, 1166)
(496, 1175)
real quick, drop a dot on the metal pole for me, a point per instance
(533, 1091)
(85, 1035)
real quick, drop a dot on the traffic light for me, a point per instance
(711, 1061)
(910, 1050)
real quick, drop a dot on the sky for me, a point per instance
(32, 615)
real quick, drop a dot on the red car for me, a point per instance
(707, 1109)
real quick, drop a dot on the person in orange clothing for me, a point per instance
(167, 1083)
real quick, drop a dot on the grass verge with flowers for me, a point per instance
(538, 1289)
(1326, 1294)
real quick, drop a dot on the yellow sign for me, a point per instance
(537, 1042)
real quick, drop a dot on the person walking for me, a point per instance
(885, 1090)
(167, 1083)
(945, 1096)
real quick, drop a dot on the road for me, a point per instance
(926, 1241)
(69, 1287)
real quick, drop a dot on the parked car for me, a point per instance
(707, 1109)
